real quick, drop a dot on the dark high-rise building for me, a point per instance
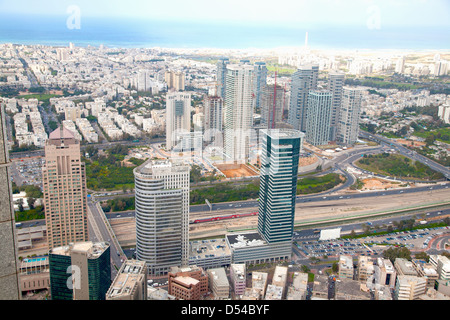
(278, 183)
(80, 271)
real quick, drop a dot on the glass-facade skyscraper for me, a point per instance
(80, 271)
(278, 183)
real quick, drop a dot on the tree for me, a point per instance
(422, 256)
(31, 202)
(399, 252)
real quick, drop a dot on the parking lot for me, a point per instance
(417, 240)
(27, 171)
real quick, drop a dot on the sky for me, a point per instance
(296, 13)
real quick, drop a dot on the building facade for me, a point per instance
(303, 81)
(64, 189)
(349, 115)
(238, 112)
(80, 271)
(162, 215)
(278, 183)
(336, 82)
(318, 122)
(178, 117)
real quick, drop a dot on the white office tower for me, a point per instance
(335, 84)
(303, 81)
(178, 116)
(238, 116)
(349, 115)
(144, 82)
(318, 123)
(162, 214)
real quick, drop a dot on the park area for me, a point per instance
(399, 166)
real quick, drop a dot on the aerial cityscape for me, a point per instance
(269, 157)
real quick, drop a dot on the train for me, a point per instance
(231, 216)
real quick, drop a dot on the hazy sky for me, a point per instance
(426, 13)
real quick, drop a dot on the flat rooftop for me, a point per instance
(201, 249)
(241, 240)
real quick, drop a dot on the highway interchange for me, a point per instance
(100, 230)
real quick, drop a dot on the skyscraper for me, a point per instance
(80, 271)
(303, 81)
(221, 76)
(278, 183)
(64, 188)
(259, 81)
(9, 269)
(162, 215)
(318, 123)
(272, 106)
(349, 115)
(238, 116)
(213, 108)
(336, 82)
(178, 117)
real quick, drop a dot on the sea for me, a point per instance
(150, 33)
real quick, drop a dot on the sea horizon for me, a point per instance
(138, 33)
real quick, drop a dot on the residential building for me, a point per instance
(162, 214)
(221, 76)
(175, 80)
(272, 106)
(9, 268)
(213, 106)
(80, 271)
(178, 117)
(238, 112)
(259, 81)
(303, 81)
(318, 122)
(130, 282)
(64, 189)
(349, 115)
(444, 113)
(336, 82)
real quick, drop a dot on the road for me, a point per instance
(408, 153)
(101, 231)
